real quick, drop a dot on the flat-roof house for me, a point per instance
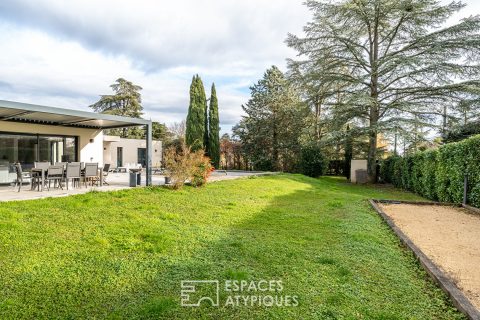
(124, 153)
(31, 133)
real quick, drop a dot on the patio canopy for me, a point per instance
(30, 113)
(36, 114)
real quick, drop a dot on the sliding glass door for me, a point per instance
(17, 148)
(27, 148)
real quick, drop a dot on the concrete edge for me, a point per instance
(460, 301)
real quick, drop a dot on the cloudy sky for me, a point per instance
(66, 53)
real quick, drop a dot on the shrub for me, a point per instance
(201, 168)
(387, 169)
(438, 174)
(183, 164)
(312, 161)
(397, 172)
(429, 168)
(450, 172)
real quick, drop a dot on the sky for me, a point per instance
(67, 53)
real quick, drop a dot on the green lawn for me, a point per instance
(123, 254)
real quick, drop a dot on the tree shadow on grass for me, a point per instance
(325, 245)
(318, 236)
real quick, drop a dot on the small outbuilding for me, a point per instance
(358, 171)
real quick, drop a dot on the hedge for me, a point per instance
(312, 162)
(438, 174)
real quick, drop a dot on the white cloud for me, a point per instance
(66, 53)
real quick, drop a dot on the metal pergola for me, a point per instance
(52, 116)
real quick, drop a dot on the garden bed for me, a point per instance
(445, 239)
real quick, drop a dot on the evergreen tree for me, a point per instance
(206, 136)
(126, 102)
(273, 123)
(391, 60)
(161, 132)
(213, 146)
(195, 126)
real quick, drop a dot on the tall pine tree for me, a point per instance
(126, 102)
(213, 146)
(271, 129)
(195, 126)
(391, 60)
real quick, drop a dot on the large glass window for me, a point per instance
(16, 148)
(27, 149)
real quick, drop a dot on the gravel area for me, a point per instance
(449, 236)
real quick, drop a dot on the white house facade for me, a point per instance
(33, 133)
(124, 153)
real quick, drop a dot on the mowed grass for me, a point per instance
(122, 255)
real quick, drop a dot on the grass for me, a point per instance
(122, 255)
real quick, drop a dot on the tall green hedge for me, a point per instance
(438, 174)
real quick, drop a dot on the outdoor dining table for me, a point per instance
(43, 171)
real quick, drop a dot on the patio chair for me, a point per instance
(36, 176)
(64, 164)
(106, 170)
(20, 176)
(42, 165)
(74, 173)
(91, 173)
(55, 174)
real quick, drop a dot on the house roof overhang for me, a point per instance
(31, 113)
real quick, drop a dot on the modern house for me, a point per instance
(122, 153)
(30, 133)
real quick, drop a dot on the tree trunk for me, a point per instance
(374, 108)
(395, 153)
(444, 129)
(318, 113)
(372, 154)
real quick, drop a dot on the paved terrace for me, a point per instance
(117, 181)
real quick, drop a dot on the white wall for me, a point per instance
(88, 151)
(130, 151)
(357, 164)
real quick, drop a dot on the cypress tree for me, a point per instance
(195, 125)
(206, 136)
(213, 147)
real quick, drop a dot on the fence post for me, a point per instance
(465, 189)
